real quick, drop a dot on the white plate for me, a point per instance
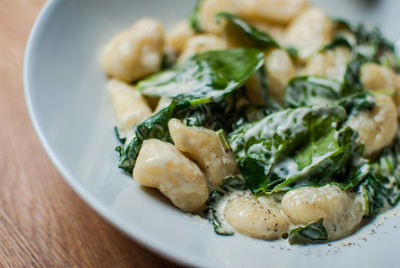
(69, 108)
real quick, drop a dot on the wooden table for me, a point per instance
(43, 223)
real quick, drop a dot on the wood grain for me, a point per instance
(43, 223)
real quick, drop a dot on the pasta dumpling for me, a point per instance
(135, 52)
(277, 11)
(200, 43)
(331, 63)
(204, 147)
(340, 210)
(280, 69)
(309, 31)
(375, 77)
(178, 35)
(260, 218)
(160, 165)
(206, 12)
(129, 105)
(378, 127)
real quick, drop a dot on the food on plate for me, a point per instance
(269, 118)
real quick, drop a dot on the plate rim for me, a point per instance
(141, 236)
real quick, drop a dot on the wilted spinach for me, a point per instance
(381, 188)
(211, 74)
(313, 90)
(194, 18)
(228, 185)
(245, 34)
(227, 114)
(291, 145)
(156, 127)
(255, 37)
(314, 232)
(366, 42)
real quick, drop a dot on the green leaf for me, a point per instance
(265, 149)
(212, 74)
(219, 227)
(352, 76)
(339, 40)
(257, 37)
(223, 114)
(390, 59)
(233, 183)
(313, 90)
(212, 214)
(194, 21)
(314, 232)
(369, 46)
(226, 114)
(121, 139)
(156, 127)
(228, 185)
(320, 160)
(381, 188)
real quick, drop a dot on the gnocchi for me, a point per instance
(203, 146)
(129, 105)
(260, 218)
(279, 68)
(330, 63)
(160, 165)
(178, 35)
(341, 211)
(208, 9)
(309, 31)
(378, 127)
(201, 43)
(135, 52)
(270, 10)
(375, 77)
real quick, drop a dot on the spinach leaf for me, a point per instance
(168, 60)
(156, 127)
(313, 90)
(228, 185)
(121, 139)
(194, 18)
(358, 101)
(380, 192)
(366, 42)
(314, 232)
(381, 188)
(216, 115)
(244, 34)
(233, 183)
(256, 37)
(370, 41)
(322, 159)
(338, 40)
(367, 39)
(219, 227)
(265, 149)
(226, 114)
(352, 76)
(212, 74)
(212, 214)
(390, 59)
